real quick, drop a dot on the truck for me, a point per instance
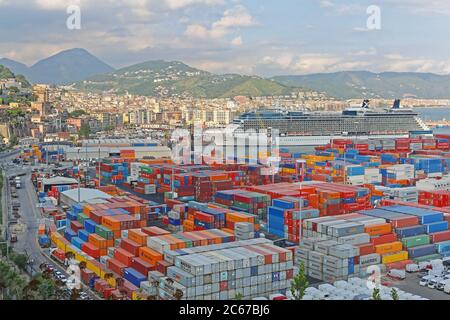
(397, 274)
(411, 268)
(18, 182)
(13, 238)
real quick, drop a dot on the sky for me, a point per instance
(255, 37)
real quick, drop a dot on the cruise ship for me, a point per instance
(302, 128)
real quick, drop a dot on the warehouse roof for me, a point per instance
(85, 194)
(59, 181)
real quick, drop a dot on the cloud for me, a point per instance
(237, 41)
(438, 7)
(178, 4)
(342, 8)
(231, 20)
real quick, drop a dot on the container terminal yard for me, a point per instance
(353, 216)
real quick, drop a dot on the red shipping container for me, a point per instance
(107, 293)
(366, 248)
(100, 285)
(76, 226)
(123, 256)
(162, 266)
(440, 236)
(129, 288)
(116, 266)
(130, 246)
(409, 221)
(91, 250)
(142, 266)
(87, 275)
(387, 238)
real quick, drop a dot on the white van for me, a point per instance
(411, 268)
(447, 288)
(425, 280)
(433, 283)
(441, 284)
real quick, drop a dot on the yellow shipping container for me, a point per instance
(92, 267)
(80, 257)
(391, 247)
(61, 245)
(54, 236)
(394, 257)
(112, 282)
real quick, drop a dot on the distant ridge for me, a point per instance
(161, 78)
(173, 78)
(65, 67)
(364, 84)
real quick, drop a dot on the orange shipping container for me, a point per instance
(389, 247)
(379, 230)
(98, 241)
(150, 255)
(138, 236)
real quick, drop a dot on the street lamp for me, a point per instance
(79, 177)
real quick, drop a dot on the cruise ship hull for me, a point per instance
(301, 141)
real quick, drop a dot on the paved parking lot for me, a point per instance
(411, 285)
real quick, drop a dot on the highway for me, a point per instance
(27, 241)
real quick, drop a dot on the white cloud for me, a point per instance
(178, 4)
(342, 8)
(439, 7)
(232, 19)
(237, 41)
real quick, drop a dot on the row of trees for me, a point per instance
(300, 283)
(15, 284)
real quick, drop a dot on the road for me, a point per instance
(411, 284)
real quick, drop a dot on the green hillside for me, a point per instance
(5, 73)
(362, 84)
(162, 78)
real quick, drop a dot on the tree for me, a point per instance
(14, 141)
(238, 296)
(376, 294)
(20, 260)
(84, 131)
(299, 283)
(394, 294)
(77, 113)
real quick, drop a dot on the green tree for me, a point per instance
(84, 131)
(77, 113)
(238, 296)
(376, 295)
(299, 283)
(394, 294)
(20, 260)
(14, 141)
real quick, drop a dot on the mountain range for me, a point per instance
(62, 68)
(364, 84)
(84, 71)
(5, 73)
(174, 78)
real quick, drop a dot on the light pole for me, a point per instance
(99, 166)
(79, 177)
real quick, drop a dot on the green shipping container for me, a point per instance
(82, 218)
(104, 232)
(427, 258)
(241, 205)
(416, 241)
